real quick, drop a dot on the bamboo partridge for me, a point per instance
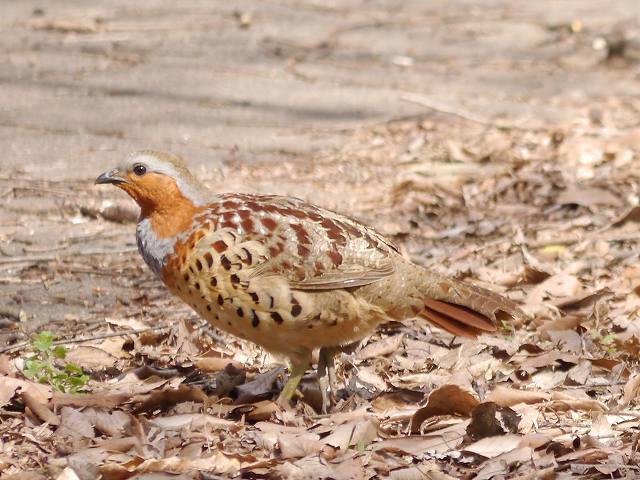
(283, 273)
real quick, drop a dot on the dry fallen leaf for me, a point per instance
(90, 358)
(490, 447)
(381, 348)
(9, 385)
(446, 400)
(631, 389)
(506, 397)
(488, 419)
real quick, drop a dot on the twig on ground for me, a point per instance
(472, 117)
(48, 258)
(20, 346)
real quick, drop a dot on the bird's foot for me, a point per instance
(327, 377)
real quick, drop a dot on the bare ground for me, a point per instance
(493, 141)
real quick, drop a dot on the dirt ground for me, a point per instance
(494, 141)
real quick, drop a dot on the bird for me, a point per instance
(285, 274)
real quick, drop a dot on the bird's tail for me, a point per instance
(462, 308)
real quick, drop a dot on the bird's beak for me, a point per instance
(111, 176)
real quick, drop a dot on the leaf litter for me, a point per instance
(548, 217)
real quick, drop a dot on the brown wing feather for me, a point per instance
(461, 315)
(450, 325)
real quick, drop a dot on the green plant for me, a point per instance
(42, 368)
(607, 342)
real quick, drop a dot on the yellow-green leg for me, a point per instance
(298, 369)
(327, 375)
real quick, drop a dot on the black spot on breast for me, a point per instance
(235, 280)
(197, 285)
(255, 321)
(199, 265)
(248, 257)
(254, 297)
(209, 259)
(225, 262)
(240, 312)
(220, 300)
(186, 277)
(208, 308)
(277, 317)
(271, 302)
(214, 282)
(296, 310)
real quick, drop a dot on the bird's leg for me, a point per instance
(327, 376)
(298, 368)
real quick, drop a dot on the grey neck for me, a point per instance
(154, 250)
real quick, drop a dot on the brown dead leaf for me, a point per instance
(299, 445)
(567, 340)
(360, 432)
(165, 399)
(370, 380)
(446, 400)
(381, 348)
(75, 428)
(112, 424)
(100, 399)
(90, 358)
(560, 285)
(589, 197)
(217, 463)
(631, 389)
(41, 410)
(582, 300)
(579, 374)
(6, 366)
(440, 441)
(507, 397)
(68, 474)
(315, 467)
(563, 401)
(255, 412)
(215, 364)
(631, 215)
(396, 400)
(9, 385)
(502, 465)
(187, 339)
(491, 447)
(195, 421)
(569, 322)
(488, 419)
(260, 388)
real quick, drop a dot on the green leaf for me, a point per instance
(43, 341)
(60, 351)
(608, 339)
(73, 369)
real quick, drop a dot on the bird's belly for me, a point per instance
(327, 327)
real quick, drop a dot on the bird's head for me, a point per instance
(159, 182)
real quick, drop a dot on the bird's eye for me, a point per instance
(139, 169)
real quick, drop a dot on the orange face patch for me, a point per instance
(161, 201)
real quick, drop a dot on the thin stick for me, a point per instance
(47, 258)
(20, 346)
(471, 117)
